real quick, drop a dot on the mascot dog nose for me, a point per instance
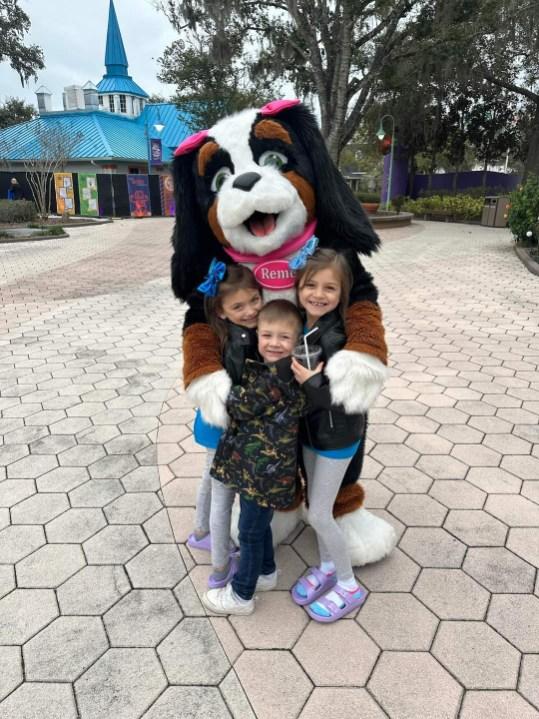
(246, 181)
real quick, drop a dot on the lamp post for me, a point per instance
(158, 127)
(380, 135)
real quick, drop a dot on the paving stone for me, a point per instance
(142, 618)
(188, 598)
(95, 493)
(158, 528)
(276, 624)
(475, 527)
(64, 649)
(115, 544)
(195, 702)
(158, 565)
(32, 466)
(341, 703)
(417, 510)
(417, 424)
(142, 479)
(81, 455)
(62, 479)
(10, 670)
(517, 619)
(10, 453)
(457, 494)
(181, 520)
(507, 444)
(43, 700)
(478, 656)
(429, 444)
(116, 687)
(494, 480)
(451, 594)
(192, 654)
(394, 455)
(132, 508)
(433, 547)
(127, 444)
(235, 697)
(97, 435)
(40, 508)
(50, 565)
(491, 425)
(440, 466)
(53, 444)
(499, 704)
(395, 573)
(405, 480)
(429, 691)
(24, 612)
(7, 579)
(13, 491)
(23, 436)
(45, 417)
(398, 621)
(93, 590)
(386, 433)
(514, 510)
(476, 455)
(112, 467)
(17, 542)
(376, 495)
(460, 434)
(530, 490)
(274, 682)
(499, 570)
(75, 525)
(528, 684)
(525, 543)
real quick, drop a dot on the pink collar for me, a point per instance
(288, 248)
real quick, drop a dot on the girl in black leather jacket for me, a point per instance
(330, 439)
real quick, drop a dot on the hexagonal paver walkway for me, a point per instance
(100, 611)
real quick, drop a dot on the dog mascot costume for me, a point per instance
(254, 189)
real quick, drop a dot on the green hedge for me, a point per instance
(368, 196)
(524, 211)
(455, 207)
(12, 211)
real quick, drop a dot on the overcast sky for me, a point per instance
(72, 35)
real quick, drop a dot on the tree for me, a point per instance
(335, 50)
(26, 60)
(55, 145)
(13, 111)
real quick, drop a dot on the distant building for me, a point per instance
(113, 118)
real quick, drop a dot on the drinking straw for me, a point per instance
(307, 346)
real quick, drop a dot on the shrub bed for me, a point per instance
(450, 207)
(523, 218)
(12, 211)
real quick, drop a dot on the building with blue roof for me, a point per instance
(113, 123)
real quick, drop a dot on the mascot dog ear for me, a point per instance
(193, 241)
(341, 221)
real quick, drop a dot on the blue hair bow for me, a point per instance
(211, 282)
(299, 260)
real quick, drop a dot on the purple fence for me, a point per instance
(464, 181)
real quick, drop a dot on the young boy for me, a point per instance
(257, 455)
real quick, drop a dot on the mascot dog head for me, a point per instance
(253, 182)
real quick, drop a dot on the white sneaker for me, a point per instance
(267, 582)
(225, 601)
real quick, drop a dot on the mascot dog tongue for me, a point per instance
(253, 189)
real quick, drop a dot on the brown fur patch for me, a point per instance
(365, 331)
(348, 500)
(214, 224)
(271, 130)
(201, 352)
(206, 152)
(305, 191)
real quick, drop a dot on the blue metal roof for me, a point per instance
(123, 84)
(104, 135)
(115, 57)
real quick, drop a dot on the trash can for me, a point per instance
(495, 211)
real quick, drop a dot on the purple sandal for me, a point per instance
(310, 593)
(232, 569)
(203, 544)
(329, 611)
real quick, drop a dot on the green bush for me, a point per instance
(455, 207)
(398, 203)
(368, 196)
(12, 211)
(524, 211)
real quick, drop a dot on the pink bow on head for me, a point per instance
(276, 106)
(193, 142)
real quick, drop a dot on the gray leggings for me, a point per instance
(222, 499)
(324, 477)
(202, 511)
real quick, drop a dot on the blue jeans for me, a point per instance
(256, 547)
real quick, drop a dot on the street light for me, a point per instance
(380, 135)
(158, 127)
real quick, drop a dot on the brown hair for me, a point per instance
(282, 311)
(237, 278)
(321, 260)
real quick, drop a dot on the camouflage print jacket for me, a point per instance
(257, 454)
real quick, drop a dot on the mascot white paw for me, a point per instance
(355, 380)
(282, 524)
(209, 393)
(368, 537)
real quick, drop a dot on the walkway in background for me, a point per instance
(99, 608)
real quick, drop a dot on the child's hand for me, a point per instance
(301, 373)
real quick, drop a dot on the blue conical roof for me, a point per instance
(115, 57)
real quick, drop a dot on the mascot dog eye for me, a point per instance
(254, 189)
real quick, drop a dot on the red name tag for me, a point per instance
(274, 275)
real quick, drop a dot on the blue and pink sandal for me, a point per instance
(304, 592)
(325, 610)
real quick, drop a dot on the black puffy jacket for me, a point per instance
(328, 426)
(242, 344)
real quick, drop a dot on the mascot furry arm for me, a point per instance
(251, 190)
